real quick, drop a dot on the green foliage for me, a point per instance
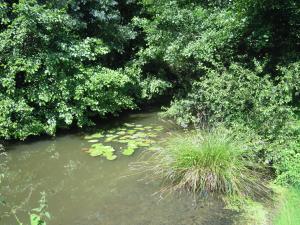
(107, 19)
(237, 95)
(249, 102)
(154, 87)
(36, 220)
(285, 156)
(271, 31)
(37, 216)
(51, 76)
(188, 39)
(131, 137)
(206, 163)
(288, 212)
(101, 150)
(40, 214)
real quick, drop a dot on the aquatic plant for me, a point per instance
(102, 150)
(129, 150)
(93, 136)
(37, 216)
(133, 136)
(205, 163)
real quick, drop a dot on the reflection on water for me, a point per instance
(84, 190)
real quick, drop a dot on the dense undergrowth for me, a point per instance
(63, 63)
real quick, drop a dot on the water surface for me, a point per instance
(85, 190)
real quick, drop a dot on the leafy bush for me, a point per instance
(237, 95)
(51, 76)
(258, 107)
(187, 38)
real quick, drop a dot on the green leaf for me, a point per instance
(101, 150)
(128, 151)
(36, 220)
(96, 135)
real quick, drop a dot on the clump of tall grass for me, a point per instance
(206, 163)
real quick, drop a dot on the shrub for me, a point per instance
(51, 75)
(205, 163)
(235, 95)
(253, 103)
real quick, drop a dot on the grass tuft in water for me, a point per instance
(204, 163)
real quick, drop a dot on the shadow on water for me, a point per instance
(85, 190)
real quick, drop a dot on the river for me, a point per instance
(85, 190)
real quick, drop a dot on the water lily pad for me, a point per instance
(158, 128)
(128, 151)
(152, 135)
(93, 136)
(121, 132)
(129, 124)
(111, 157)
(110, 138)
(131, 131)
(102, 150)
(126, 137)
(144, 143)
(93, 141)
(139, 135)
(123, 141)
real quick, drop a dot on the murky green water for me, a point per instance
(85, 190)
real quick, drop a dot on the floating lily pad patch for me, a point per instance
(158, 128)
(94, 136)
(130, 136)
(123, 141)
(129, 151)
(93, 141)
(152, 135)
(121, 133)
(110, 138)
(102, 150)
(129, 124)
(126, 137)
(131, 131)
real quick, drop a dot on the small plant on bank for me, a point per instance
(205, 163)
